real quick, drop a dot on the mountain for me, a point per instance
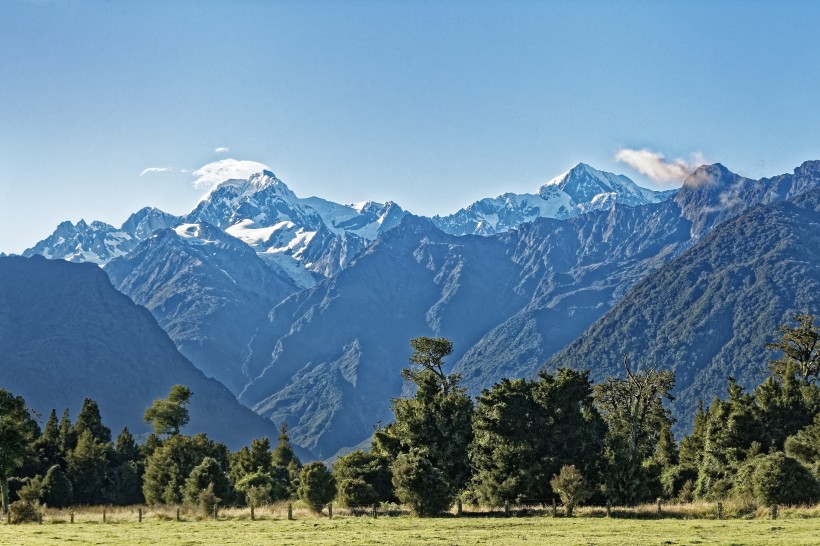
(709, 313)
(66, 334)
(96, 242)
(306, 239)
(99, 242)
(508, 302)
(579, 190)
(209, 291)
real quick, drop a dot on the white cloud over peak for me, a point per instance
(215, 172)
(155, 170)
(655, 165)
(222, 149)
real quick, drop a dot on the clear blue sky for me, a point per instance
(430, 104)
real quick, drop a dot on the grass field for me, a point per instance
(274, 528)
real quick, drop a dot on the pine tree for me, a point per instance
(90, 420)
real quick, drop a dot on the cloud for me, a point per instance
(655, 165)
(215, 172)
(155, 170)
(222, 149)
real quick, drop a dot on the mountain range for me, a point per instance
(304, 307)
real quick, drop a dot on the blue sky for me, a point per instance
(430, 104)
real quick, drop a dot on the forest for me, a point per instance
(556, 437)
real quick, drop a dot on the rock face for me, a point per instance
(709, 313)
(579, 190)
(209, 291)
(96, 242)
(66, 333)
(328, 360)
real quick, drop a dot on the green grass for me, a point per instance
(272, 529)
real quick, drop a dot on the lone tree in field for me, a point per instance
(571, 487)
(800, 346)
(17, 430)
(170, 414)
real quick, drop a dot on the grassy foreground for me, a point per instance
(407, 530)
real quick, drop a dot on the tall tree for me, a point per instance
(168, 415)
(90, 420)
(800, 346)
(17, 430)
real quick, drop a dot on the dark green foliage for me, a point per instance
(59, 492)
(370, 468)
(356, 492)
(88, 465)
(168, 468)
(252, 485)
(284, 456)
(779, 479)
(525, 431)
(207, 501)
(68, 437)
(17, 430)
(90, 420)
(168, 415)
(421, 485)
(207, 473)
(48, 446)
(437, 419)
(805, 446)
(317, 487)
(570, 485)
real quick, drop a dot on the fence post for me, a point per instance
(140, 514)
(720, 510)
(660, 502)
(554, 508)
(252, 514)
(290, 511)
(103, 515)
(458, 507)
(178, 514)
(506, 509)
(375, 511)
(774, 511)
(330, 511)
(216, 507)
(72, 517)
(608, 508)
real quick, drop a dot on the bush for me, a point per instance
(570, 485)
(59, 492)
(780, 479)
(257, 495)
(356, 492)
(208, 501)
(24, 512)
(420, 485)
(317, 487)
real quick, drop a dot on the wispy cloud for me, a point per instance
(222, 149)
(655, 165)
(155, 170)
(215, 172)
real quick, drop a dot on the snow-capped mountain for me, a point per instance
(96, 242)
(581, 189)
(147, 221)
(304, 238)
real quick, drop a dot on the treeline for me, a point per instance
(519, 442)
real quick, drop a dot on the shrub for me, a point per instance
(208, 501)
(780, 479)
(317, 487)
(570, 485)
(59, 492)
(420, 485)
(24, 512)
(356, 492)
(257, 495)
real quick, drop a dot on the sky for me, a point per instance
(106, 107)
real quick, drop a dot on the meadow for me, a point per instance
(681, 525)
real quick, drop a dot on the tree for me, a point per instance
(570, 485)
(800, 346)
(90, 420)
(59, 492)
(421, 485)
(17, 430)
(88, 466)
(126, 471)
(437, 419)
(633, 410)
(170, 414)
(207, 473)
(368, 468)
(47, 445)
(779, 479)
(317, 487)
(170, 465)
(525, 431)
